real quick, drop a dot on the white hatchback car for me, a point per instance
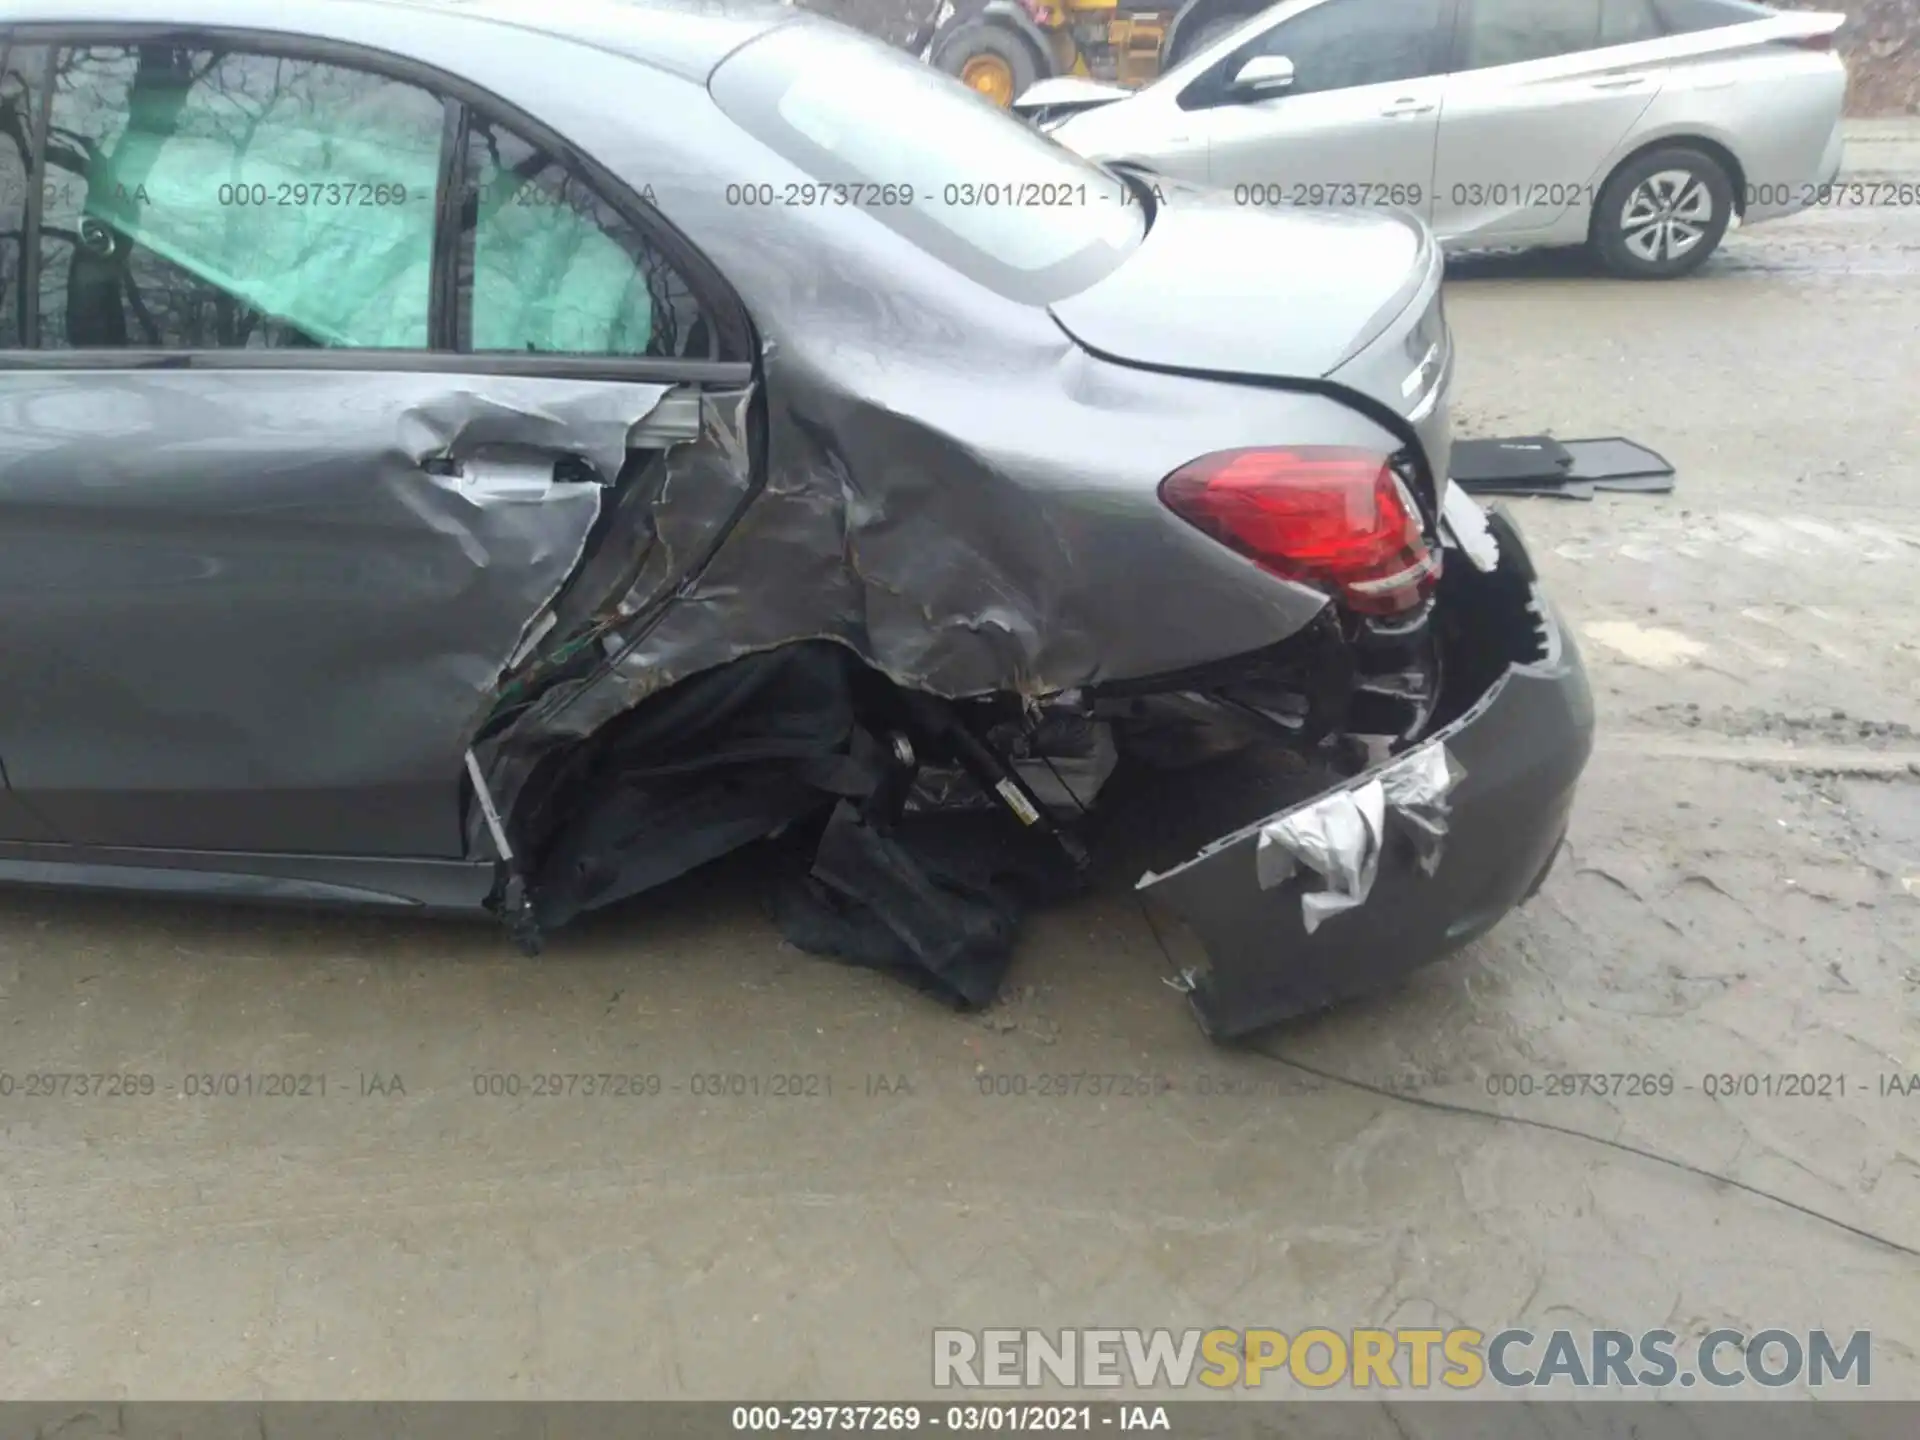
(1642, 128)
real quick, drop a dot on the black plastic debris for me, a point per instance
(1509, 460)
(697, 771)
(876, 903)
(1569, 469)
(901, 901)
(768, 746)
(1616, 464)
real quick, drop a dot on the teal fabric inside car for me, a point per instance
(326, 221)
(322, 222)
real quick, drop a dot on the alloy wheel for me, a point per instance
(1667, 214)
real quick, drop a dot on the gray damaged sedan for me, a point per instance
(472, 457)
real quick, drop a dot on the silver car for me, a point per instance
(464, 457)
(1640, 128)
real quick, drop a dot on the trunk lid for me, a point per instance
(1228, 289)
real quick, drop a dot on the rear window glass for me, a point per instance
(1623, 22)
(1682, 16)
(921, 153)
(1511, 32)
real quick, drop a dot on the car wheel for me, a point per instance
(1662, 214)
(989, 59)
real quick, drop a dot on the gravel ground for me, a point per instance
(1742, 897)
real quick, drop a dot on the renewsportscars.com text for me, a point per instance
(1414, 1359)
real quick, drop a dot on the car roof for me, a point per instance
(687, 37)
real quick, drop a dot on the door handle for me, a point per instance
(1622, 82)
(1408, 107)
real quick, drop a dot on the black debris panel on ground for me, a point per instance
(775, 744)
(1567, 469)
(936, 899)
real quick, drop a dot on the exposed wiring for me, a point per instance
(1447, 1107)
(1060, 780)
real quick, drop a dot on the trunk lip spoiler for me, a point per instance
(1427, 484)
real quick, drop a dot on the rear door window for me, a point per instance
(1685, 16)
(1340, 44)
(963, 179)
(547, 265)
(203, 197)
(1508, 32)
(1622, 22)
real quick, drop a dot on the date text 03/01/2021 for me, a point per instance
(957, 1419)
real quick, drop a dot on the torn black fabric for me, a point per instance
(645, 834)
(937, 901)
(771, 743)
(717, 762)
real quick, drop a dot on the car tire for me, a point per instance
(988, 46)
(1662, 214)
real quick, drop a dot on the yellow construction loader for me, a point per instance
(1000, 47)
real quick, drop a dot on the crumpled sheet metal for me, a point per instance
(1339, 837)
(882, 561)
(503, 439)
(664, 520)
(662, 527)
(588, 418)
(958, 567)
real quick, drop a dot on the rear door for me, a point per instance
(1358, 126)
(17, 822)
(1541, 95)
(319, 387)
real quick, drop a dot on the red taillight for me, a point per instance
(1328, 516)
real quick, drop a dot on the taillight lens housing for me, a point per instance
(1333, 517)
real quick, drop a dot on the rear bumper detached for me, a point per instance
(1344, 894)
